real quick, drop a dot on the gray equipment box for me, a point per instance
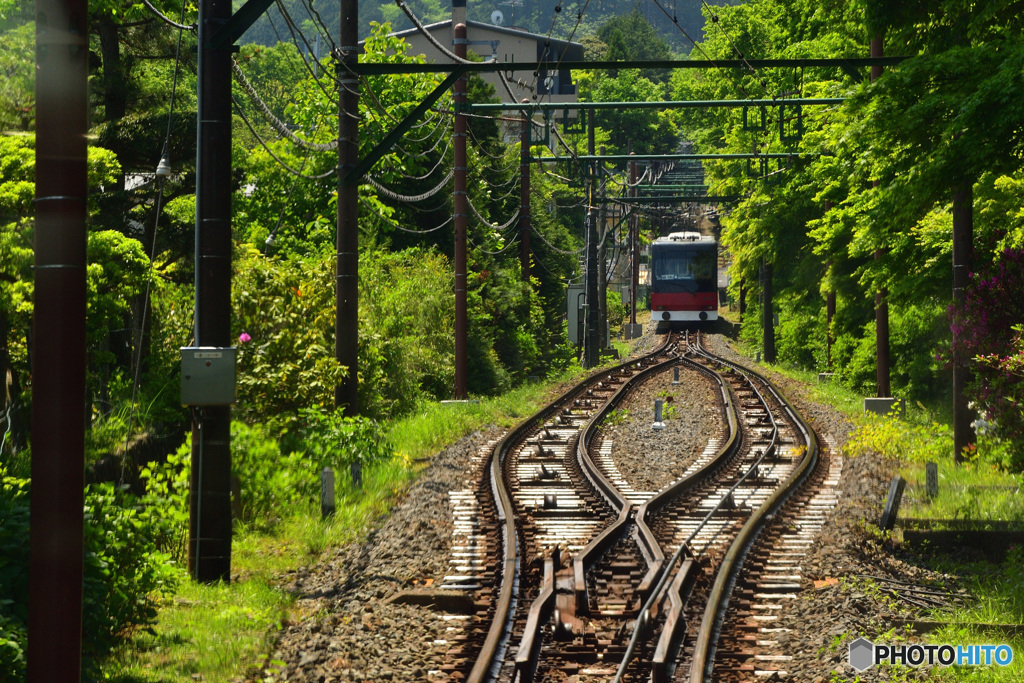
(207, 375)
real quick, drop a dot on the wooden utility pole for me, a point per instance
(58, 344)
(882, 294)
(963, 258)
(460, 208)
(210, 487)
(346, 287)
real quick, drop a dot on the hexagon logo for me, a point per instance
(862, 654)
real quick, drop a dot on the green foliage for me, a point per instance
(286, 307)
(336, 441)
(894, 438)
(14, 517)
(406, 327)
(17, 78)
(124, 573)
(270, 481)
(166, 500)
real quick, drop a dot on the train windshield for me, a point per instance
(684, 270)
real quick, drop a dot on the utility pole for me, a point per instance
(963, 257)
(524, 197)
(882, 294)
(590, 353)
(460, 208)
(830, 309)
(602, 261)
(767, 315)
(210, 487)
(346, 285)
(58, 344)
(634, 256)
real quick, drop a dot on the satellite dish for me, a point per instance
(497, 18)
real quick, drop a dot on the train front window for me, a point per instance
(678, 270)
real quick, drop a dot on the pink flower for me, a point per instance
(244, 337)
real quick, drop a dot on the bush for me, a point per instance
(123, 572)
(269, 481)
(166, 500)
(335, 441)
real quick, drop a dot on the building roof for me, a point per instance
(572, 51)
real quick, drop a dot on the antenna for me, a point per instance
(497, 18)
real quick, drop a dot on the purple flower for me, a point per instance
(244, 337)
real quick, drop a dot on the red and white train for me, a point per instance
(684, 278)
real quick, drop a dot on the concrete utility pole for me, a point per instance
(524, 197)
(58, 344)
(460, 208)
(882, 295)
(767, 315)
(346, 286)
(963, 258)
(634, 254)
(590, 352)
(210, 487)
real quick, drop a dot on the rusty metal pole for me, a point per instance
(882, 295)
(58, 344)
(524, 197)
(460, 209)
(830, 310)
(767, 314)
(634, 255)
(590, 353)
(210, 487)
(963, 257)
(346, 285)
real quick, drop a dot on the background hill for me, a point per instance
(532, 15)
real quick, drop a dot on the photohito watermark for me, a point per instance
(864, 654)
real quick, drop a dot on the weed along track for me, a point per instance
(583, 564)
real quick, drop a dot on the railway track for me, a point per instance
(575, 574)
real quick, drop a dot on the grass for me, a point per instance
(999, 599)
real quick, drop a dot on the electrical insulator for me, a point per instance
(163, 169)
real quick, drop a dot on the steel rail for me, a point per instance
(724, 455)
(541, 609)
(702, 661)
(500, 629)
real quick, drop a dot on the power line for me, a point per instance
(395, 225)
(394, 196)
(281, 162)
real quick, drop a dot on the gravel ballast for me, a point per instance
(347, 630)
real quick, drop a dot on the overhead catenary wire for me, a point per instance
(543, 239)
(395, 225)
(391, 194)
(171, 22)
(279, 160)
(277, 123)
(493, 226)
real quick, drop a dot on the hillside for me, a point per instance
(532, 15)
